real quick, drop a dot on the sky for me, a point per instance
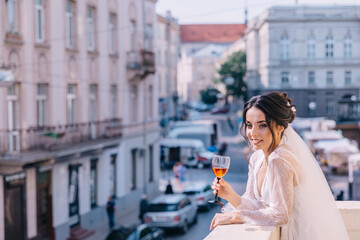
(229, 11)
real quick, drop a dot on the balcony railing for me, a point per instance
(148, 60)
(51, 138)
(349, 210)
(140, 64)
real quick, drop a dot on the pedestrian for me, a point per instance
(110, 209)
(180, 171)
(222, 149)
(176, 170)
(144, 207)
(169, 189)
(285, 186)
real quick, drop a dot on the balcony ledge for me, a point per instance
(244, 231)
(349, 210)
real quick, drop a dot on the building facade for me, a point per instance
(201, 47)
(311, 52)
(168, 46)
(80, 120)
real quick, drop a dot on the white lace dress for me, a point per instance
(278, 203)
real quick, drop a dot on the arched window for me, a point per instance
(347, 46)
(311, 47)
(284, 48)
(329, 47)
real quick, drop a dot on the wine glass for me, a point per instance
(220, 166)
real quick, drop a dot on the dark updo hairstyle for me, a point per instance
(278, 110)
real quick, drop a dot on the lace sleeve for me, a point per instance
(248, 200)
(281, 188)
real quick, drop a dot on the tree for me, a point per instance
(234, 67)
(209, 95)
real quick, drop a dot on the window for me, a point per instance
(284, 78)
(71, 103)
(112, 33)
(330, 107)
(93, 102)
(93, 183)
(150, 102)
(311, 78)
(311, 47)
(112, 175)
(148, 37)
(329, 47)
(12, 16)
(39, 21)
(329, 78)
(133, 35)
(133, 169)
(284, 48)
(151, 164)
(347, 78)
(13, 119)
(70, 24)
(91, 28)
(113, 99)
(93, 110)
(42, 90)
(347, 46)
(133, 103)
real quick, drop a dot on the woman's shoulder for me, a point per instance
(284, 155)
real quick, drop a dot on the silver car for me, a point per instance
(171, 211)
(200, 193)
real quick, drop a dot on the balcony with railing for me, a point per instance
(349, 210)
(54, 138)
(140, 64)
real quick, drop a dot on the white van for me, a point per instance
(212, 125)
(191, 152)
(203, 133)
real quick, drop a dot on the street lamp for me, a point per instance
(229, 81)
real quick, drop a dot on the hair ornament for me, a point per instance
(293, 109)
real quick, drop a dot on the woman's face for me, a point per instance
(258, 131)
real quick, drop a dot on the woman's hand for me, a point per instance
(224, 189)
(226, 218)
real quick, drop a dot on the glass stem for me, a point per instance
(216, 195)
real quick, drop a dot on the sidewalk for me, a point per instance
(126, 218)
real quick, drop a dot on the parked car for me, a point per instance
(141, 232)
(200, 193)
(172, 211)
(223, 109)
(146, 232)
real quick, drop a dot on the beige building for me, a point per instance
(201, 47)
(80, 121)
(167, 47)
(311, 52)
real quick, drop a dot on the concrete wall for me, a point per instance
(31, 214)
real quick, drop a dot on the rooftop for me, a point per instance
(215, 33)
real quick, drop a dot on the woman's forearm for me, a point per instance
(235, 200)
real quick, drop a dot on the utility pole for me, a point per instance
(144, 150)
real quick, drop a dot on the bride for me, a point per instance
(285, 185)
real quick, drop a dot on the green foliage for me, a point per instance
(208, 96)
(234, 67)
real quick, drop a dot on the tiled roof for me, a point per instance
(215, 33)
